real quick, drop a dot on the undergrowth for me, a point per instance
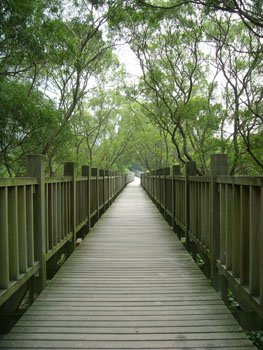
(257, 338)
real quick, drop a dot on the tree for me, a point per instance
(23, 34)
(249, 12)
(25, 122)
(188, 54)
(81, 54)
(238, 56)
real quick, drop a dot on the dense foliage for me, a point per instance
(64, 93)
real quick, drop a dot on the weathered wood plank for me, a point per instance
(82, 343)
(22, 233)
(4, 244)
(30, 225)
(13, 234)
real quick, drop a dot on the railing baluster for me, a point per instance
(222, 223)
(22, 236)
(229, 227)
(244, 236)
(236, 244)
(63, 209)
(30, 225)
(13, 234)
(70, 170)
(4, 244)
(254, 241)
(59, 212)
(190, 170)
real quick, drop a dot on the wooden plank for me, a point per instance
(254, 241)
(18, 181)
(67, 210)
(70, 170)
(4, 244)
(83, 343)
(62, 208)
(22, 235)
(241, 180)
(158, 336)
(13, 234)
(55, 214)
(47, 214)
(229, 226)
(59, 212)
(129, 285)
(244, 235)
(30, 225)
(126, 330)
(236, 247)
(51, 216)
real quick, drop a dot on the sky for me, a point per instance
(128, 58)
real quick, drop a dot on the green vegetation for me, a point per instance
(257, 338)
(64, 93)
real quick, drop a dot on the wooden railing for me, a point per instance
(220, 217)
(39, 216)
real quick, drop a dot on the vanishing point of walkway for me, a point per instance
(129, 285)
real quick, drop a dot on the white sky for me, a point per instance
(129, 59)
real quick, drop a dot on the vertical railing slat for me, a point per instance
(51, 216)
(22, 236)
(229, 226)
(222, 223)
(244, 235)
(13, 234)
(254, 239)
(4, 242)
(236, 248)
(59, 212)
(47, 216)
(55, 214)
(63, 208)
(30, 224)
(70, 170)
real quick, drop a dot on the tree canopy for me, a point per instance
(65, 94)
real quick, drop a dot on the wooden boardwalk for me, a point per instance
(129, 285)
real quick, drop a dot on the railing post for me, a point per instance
(110, 187)
(159, 171)
(166, 172)
(190, 170)
(109, 174)
(154, 184)
(106, 188)
(175, 172)
(102, 174)
(86, 172)
(70, 170)
(113, 185)
(219, 166)
(36, 168)
(95, 173)
(4, 240)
